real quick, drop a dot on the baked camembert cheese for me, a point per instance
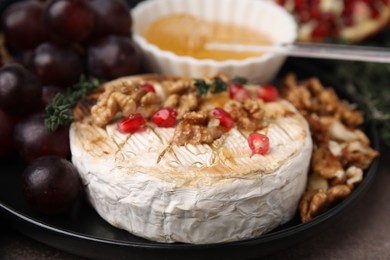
(192, 171)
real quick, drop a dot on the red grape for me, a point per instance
(51, 184)
(22, 25)
(56, 65)
(20, 90)
(113, 57)
(6, 133)
(33, 140)
(69, 20)
(111, 17)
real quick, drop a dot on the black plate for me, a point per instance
(83, 232)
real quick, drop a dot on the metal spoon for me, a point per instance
(312, 50)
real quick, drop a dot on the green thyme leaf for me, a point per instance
(240, 80)
(60, 110)
(202, 87)
(218, 86)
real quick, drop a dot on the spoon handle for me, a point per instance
(312, 50)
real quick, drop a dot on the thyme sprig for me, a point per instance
(202, 87)
(216, 86)
(240, 80)
(60, 110)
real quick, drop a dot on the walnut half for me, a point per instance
(124, 98)
(196, 127)
(315, 202)
(248, 114)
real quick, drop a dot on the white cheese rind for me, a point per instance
(181, 197)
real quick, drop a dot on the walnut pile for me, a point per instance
(341, 150)
(125, 98)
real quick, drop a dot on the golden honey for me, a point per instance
(186, 35)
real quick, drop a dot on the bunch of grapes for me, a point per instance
(52, 44)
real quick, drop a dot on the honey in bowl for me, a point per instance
(186, 35)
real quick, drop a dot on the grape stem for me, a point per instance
(60, 110)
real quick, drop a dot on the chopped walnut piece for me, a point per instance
(255, 108)
(314, 85)
(195, 129)
(125, 98)
(358, 154)
(103, 112)
(188, 103)
(300, 97)
(317, 182)
(319, 132)
(335, 148)
(350, 117)
(340, 132)
(354, 176)
(179, 87)
(181, 97)
(313, 203)
(248, 114)
(327, 102)
(234, 108)
(326, 165)
(148, 104)
(362, 137)
(337, 193)
(172, 101)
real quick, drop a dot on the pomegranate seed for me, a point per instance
(374, 13)
(132, 123)
(315, 14)
(348, 10)
(267, 93)
(347, 20)
(320, 31)
(238, 92)
(304, 17)
(165, 117)
(327, 18)
(258, 143)
(148, 87)
(301, 5)
(281, 2)
(225, 119)
(234, 88)
(361, 8)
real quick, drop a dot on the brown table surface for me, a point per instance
(363, 232)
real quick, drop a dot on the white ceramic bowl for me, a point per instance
(262, 15)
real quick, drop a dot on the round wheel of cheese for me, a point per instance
(195, 182)
(349, 20)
